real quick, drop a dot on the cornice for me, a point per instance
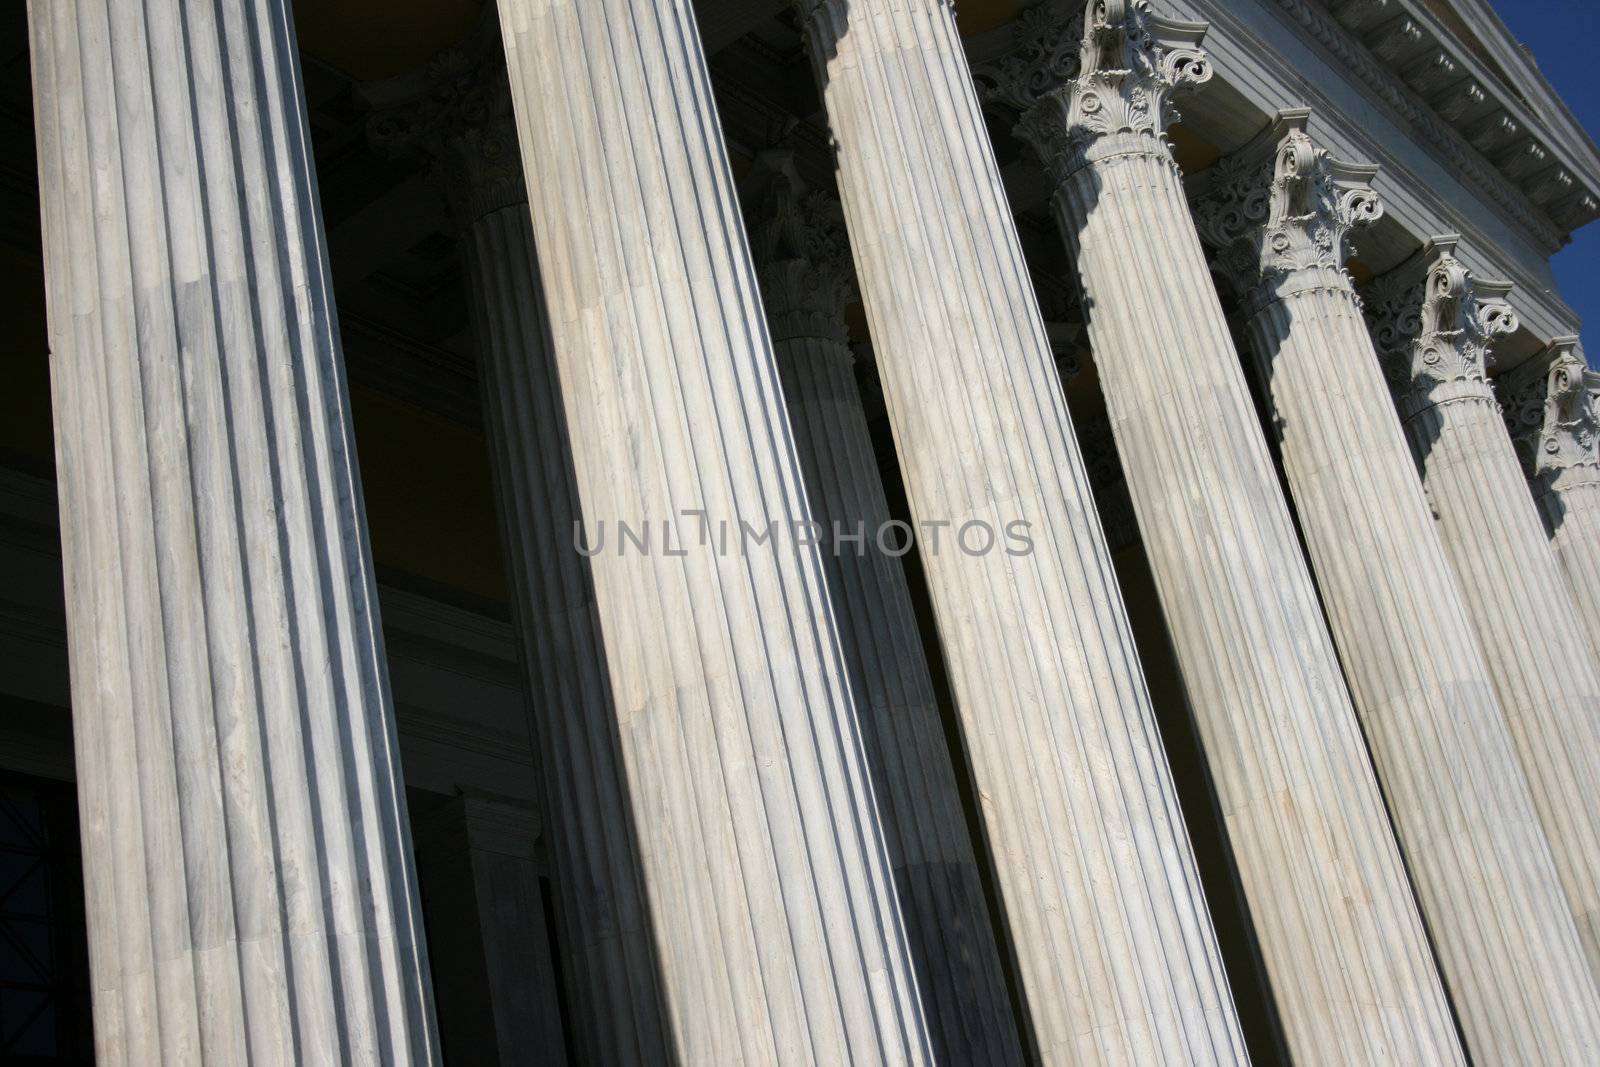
(1509, 82)
(1446, 97)
(1509, 56)
(1252, 62)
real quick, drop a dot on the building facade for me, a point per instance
(906, 531)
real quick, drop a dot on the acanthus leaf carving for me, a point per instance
(1552, 411)
(455, 116)
(1434, 326)
(1048, 55)
(801, 251)
(1082, 75)
(1279, 213)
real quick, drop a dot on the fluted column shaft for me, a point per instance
(609, 962)
(1551, 411)
(248, 870)
(1519, 601)
(1488, 887)
(455, 117)
(1338, 929)
(1115, 949)
(767, 879)
(1571, 513)
(802, 260)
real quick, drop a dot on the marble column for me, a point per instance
(1279, 211)
(1338, 928)
(478, 858)
(767, 877)
(803, 262)
(1433, 325)
(455, 117)
(247, 859)
(1097, 882)
(1550, 410)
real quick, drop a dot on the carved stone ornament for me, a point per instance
(801, 251)
(1279, 213)
(1552, 410)
(1082, 76)
(455, 116)
(1434, 326)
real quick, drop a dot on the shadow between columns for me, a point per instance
(1198, 800)
(608, 967)
(944, 696)
(1259, 372)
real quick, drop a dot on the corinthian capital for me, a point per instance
(1081, 77)
(1434, 326)
(454, 115)
(801, 252)
(1552, 410)
(1280, 211)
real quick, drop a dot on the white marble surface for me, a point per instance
(1550, 410)
(609, 961)
(1520, 601)
(767, 879)
(1490, 894)
(1113, 943)
(250, 888)
(803, 262)
(1340, 936)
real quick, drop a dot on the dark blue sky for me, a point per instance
(1562, 35)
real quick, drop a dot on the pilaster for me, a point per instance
(1550, 410)
(1279, 212)
(249, 880)
(1337, 925)
(1115, 949)
(1433, 324)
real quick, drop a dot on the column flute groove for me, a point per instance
(765, 870)
(1116, 953)
(1351, 970)
(1550, 411)
(1278, 211)
(457, 119)
(1433, 325)
(802, 259)
(247, 857)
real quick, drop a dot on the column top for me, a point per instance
(454, 115)
(1551, 406)
(1434, 325)
(1096, 81)
(1280, 212)
(801, 251)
